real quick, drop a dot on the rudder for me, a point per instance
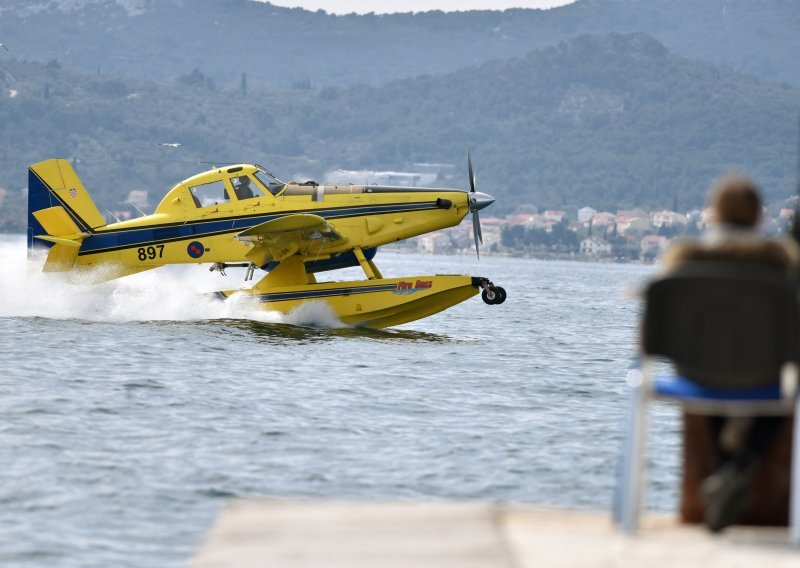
(58, 203)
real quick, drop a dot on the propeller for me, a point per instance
(477, 201)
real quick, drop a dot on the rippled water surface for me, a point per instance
(133, 410)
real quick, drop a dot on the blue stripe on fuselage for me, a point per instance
(100, 242)
(306, 294)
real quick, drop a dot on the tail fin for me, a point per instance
(61, 214)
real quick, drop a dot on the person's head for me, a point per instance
(735, 200)
(244, 180)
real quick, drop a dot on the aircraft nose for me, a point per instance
(478, 200)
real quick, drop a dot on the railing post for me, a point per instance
(633, 477)
(794, 505)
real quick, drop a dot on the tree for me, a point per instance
(197, 79)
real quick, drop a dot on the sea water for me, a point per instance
(134, 410)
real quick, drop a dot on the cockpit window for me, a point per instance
(273, 188)
(244, 188)
(209, 194)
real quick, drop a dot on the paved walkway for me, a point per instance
(336, 534)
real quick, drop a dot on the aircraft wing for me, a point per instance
(304, 233)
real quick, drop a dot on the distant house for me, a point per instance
(527, 209)
(695, 217)
(442, 171)
(531, 221)
(633, 225)
(595, 246)
(434, 243)
(553, 215)
(585, 214)
(548, 225)
(491, 230)
(522, 218)
(604, 218)
(632, 213)
(667, 218)
(653, 244)
(491, 227)
(368, 177)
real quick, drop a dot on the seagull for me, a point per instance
(3, 46)
(170, 144)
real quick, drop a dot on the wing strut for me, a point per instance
(367, 266)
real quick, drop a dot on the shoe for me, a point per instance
(726, 495)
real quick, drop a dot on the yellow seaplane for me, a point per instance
(241, 215)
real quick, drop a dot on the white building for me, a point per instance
(369, 177)
(434, 243)
(595, 246)
(553, 215)
(604, 218)
(653, 243)
(668, 219)
(585, 214)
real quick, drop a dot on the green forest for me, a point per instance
(161, 39)
(610, 121)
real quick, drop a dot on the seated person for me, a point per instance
(733, 235)
(243, 189)
(739, 443)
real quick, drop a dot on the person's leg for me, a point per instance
(726, 492)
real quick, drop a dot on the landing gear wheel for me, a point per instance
(493, 295)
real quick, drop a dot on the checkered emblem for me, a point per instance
(73, 193)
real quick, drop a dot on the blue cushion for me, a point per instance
(681, 387)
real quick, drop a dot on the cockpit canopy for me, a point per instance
(220, 186)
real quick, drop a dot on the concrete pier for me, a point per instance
(337, 534)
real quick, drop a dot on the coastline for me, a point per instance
(536, 255)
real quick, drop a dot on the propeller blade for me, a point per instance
(476, 233)
(476, 201)
(476, 222)
(471, 174)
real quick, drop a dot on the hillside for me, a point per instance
(609, 121)
(162, 39)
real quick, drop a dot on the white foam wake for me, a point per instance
(175, 293)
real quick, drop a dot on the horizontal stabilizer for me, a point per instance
(64, 233)
(59, 241)
(56, 221)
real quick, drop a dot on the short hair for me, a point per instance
(736, 200)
